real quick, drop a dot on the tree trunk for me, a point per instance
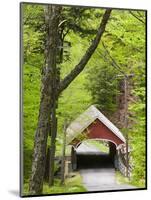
(46, 104)
(53, 145)
(63, 155)
(49, 95)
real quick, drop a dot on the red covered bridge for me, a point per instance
(92, 124)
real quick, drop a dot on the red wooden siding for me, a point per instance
(98, 130)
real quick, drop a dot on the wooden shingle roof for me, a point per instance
(85, 119)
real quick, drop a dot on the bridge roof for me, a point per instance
(85, 119)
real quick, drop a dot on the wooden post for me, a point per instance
(63, 155)
(126, 76)
(112, 150)
(73, 159)
(126, 124)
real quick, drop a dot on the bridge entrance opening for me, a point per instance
(94, 154)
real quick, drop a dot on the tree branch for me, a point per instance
(84, 60)
(112, 60)
(137, 17)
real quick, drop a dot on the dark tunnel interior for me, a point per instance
(94, 160)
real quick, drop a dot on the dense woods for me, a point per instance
(75, 57)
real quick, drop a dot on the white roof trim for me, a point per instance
(85, 119)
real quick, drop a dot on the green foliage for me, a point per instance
(75, 99)
(97, 84)
(138, 138)
(82, 136)
(33, 34)
(125, 41)
(120, 179)
(31, 98)
(103, 86)
(101, 145)
(71, 185)
(82, 20)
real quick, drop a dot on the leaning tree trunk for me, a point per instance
(46, 104)
(86, 57)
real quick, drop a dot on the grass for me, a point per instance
(121, 179)
(124, 180)
(71, 185)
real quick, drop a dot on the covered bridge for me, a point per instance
(92, 124)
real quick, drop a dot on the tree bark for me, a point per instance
(84, 60)
(63, 155)
(46, 104)
(49, 96)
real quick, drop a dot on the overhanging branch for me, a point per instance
(137, 17)
(112, 60)
(84, 60)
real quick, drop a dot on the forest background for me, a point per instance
(10, 109)
(122, 49)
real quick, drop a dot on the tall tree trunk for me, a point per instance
(46, 104)
(49, 96)
(53, 142)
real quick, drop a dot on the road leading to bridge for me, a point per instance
(97, 170)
